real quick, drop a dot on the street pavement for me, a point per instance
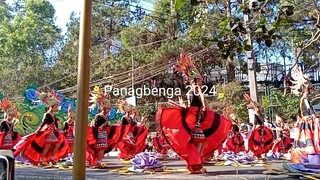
(177, 166)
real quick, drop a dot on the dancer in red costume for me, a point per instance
(102, 137)
(235, 142)
(8, 137)
(134, 142)
(307, 140)
(160, 144)
(282, 144)
(97, 132)
(261, 139)
(47, 144)
(193, 132)
(68, 128)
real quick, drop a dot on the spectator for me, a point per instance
(279, 124)
(267, 122)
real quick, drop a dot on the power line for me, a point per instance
(93, 64)
(161, 67)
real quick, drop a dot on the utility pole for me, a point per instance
(252, 64)
(250, 60)
(132, 74)
(79, 167)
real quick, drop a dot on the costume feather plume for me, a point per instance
(299, 81)
(97, 96)
(50, 98)
(7, 107)
(186, 67)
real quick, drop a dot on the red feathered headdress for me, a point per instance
(7, 106)
(186, 67)
(124, 106)
(50, 98)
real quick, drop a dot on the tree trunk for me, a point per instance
(230, 69)
(230, 64)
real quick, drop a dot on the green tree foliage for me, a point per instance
(108, 20)
(29, 45)
(234, 100)
(286, 105)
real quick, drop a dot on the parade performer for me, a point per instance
(305, 142)
(8, 137)
(261, 139)
(245, 132)
(160, 144)
(97, 132)
(193, 132)
(47, 144)
(134, 141)
(235, 142)
(102, 137)
(68, 128)
(282, 144)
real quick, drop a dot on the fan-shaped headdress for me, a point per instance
(251, 104)
(97, 96)
(231, 115)
(8, 107)
(300, 82)
(186, 67)
(70, 112)
(50, 98)
(124, 106)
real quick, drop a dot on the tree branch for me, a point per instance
(315, 5)
(265, 3)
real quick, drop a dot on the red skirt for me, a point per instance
(127, 151)
(235, 144)
(51, 138)
(70, 138)
(303, 142)
(115, 134)
(261, 140)
(160, 145)
(177, 124)
(34, 144)
(8, 141)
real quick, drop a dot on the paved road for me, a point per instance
(214, 172)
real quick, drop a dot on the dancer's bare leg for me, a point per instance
(44, 152)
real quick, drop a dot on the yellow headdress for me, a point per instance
(99, 97)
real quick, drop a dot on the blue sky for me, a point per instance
(65, 7)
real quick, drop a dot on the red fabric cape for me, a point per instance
(235, 144)
(261, 140)
(158, 143)
(115, 135)
(176, 125)
(127, 151)
(282, 146)
(34, 144)
(16, 137)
